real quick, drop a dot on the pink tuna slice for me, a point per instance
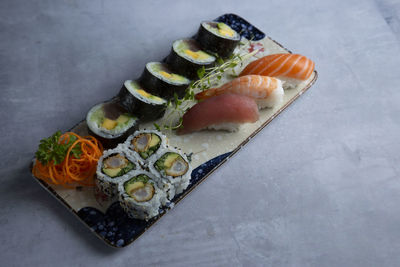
(226, 108)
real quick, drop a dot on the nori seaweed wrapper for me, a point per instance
(161, 88)
(216, 44)
(145, 111)
(112, 111)
(113, 142)
(185, 67)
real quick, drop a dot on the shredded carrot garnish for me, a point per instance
(72, 170)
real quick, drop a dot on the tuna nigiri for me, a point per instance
(266, 91)
(223, 112)
(290, 68)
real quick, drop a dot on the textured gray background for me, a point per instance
(318, 187)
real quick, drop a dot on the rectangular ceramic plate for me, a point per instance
(210, 149)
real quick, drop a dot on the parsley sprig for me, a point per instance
(54, 149)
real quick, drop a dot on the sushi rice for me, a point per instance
(107, 184)
(146, 208)
(289, 83)
(275, 98)
(163, 187)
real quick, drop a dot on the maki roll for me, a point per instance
(140, 197)
(173, 171)
(160, 80)
(186, 58)
(217, 37)
(137, 101)
(145, 144)
(115, 165)
(110, 123)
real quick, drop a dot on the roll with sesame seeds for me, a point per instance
(173, 171)
(115, 165)
(140, 196)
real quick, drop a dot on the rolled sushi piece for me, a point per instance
(186, 58)
(110, 123)
(136, 100)
(115, 165)
(140, 196)
(173, 170)
(145, 144)
(217, 37)
(160, 80)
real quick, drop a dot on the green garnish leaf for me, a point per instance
(189, 157)
(51, 149)
(176, 98)
(157, 126)
(76, 151)
(201, 72)
(232, 65)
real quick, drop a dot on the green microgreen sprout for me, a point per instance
(207, 78)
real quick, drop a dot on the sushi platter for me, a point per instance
(137, 155)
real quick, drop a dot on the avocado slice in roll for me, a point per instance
(146, 144)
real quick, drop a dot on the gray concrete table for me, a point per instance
(321, 185)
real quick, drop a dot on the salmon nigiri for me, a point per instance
(266, 91)
(223, 112)
(290, 68)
